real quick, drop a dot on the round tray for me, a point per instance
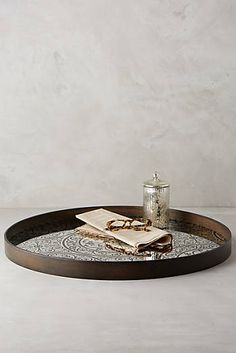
(49, 244)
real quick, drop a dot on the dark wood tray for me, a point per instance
(48, 243)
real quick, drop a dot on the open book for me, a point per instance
(138, 239)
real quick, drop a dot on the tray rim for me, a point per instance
(119, 270)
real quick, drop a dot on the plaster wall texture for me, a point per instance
(97, 95)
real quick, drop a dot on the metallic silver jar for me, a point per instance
(156, 198)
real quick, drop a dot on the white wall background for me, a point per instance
(97, 94)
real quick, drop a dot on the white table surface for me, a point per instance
(190, 313)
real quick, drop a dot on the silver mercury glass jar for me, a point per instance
(156, 198)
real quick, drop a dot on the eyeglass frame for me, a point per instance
(127, 224)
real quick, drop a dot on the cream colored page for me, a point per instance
(99, 218)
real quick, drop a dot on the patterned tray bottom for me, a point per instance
(71, 245)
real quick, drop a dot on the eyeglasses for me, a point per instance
(117, 224)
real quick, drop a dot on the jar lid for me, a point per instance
(156, 182)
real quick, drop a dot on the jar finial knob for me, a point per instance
(156, 176)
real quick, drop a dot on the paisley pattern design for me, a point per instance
(71, 245)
